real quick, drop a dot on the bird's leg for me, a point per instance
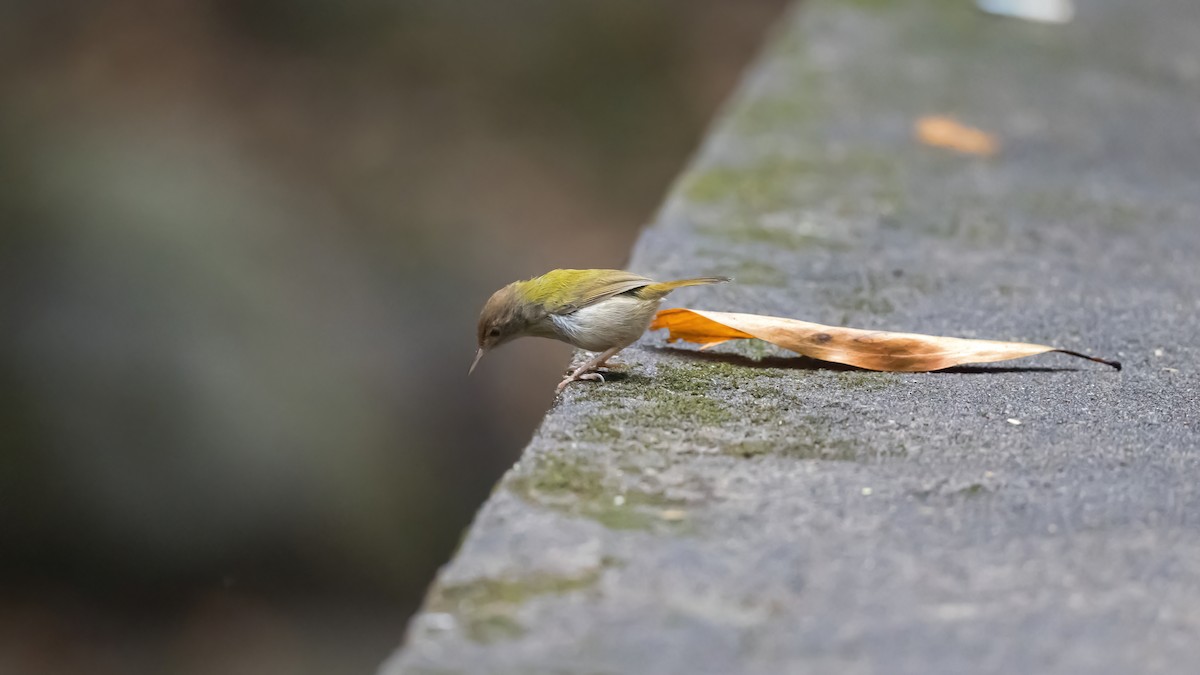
(584, 372)
(604, 361)
(595, 366)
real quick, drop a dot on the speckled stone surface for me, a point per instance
(744, 511)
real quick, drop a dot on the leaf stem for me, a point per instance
(1114, 364)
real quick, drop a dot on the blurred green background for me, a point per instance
(243, 246)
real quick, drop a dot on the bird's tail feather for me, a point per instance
(660, 290)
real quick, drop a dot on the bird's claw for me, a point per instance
(589, 370)
(578, 376)
(593, 376)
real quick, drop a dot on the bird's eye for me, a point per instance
(495, 332)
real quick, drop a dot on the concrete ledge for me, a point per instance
(748, 512)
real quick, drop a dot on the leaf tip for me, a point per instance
(1108, 362)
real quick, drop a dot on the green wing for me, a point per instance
(567, 291)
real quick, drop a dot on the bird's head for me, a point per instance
(502, 320)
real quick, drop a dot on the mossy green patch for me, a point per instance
(674, 399)
(672, 410)
(488, 591)
(866, 380)
(694, 378)
(694, 403)
(676, 403)
(579, 486)
(738, 199)
(774, 114)
(669, 399)
(485, 607)
(493, 628)
(871, 4)
(777, 181)
(748, 449)
(837, 451)
(601, 428)
(560, 474)
(759, 187)
(682, 396)
(1010, 290)
(763, 391)
(969, 491)
(941, 5)
(743, 229)
(973, 490)
(683, 388)
(752, 349)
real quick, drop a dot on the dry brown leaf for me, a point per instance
(947, 132)
(870, 349)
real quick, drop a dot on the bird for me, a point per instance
(598, 310)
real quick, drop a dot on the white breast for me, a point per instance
(616, 322)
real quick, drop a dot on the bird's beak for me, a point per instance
(478, 355)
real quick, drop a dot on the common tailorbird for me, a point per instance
(601, 311)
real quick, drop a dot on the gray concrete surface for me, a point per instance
(744, 511)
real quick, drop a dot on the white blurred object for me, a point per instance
(1041, 11)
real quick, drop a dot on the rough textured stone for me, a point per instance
(743, 511)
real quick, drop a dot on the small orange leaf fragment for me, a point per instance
(947, 132)
(870, 349)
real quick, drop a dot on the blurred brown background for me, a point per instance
(242, 250)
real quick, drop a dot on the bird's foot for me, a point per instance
(587, 371)
(602, 366)
(577, 375)
(610, 368)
